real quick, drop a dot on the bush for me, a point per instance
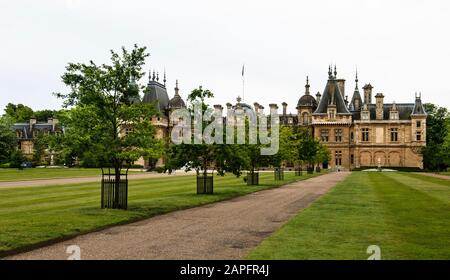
(17, 158)
(5, 165)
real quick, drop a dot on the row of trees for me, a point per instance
(296, 146)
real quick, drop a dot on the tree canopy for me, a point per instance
(436, 154)
(103, 124)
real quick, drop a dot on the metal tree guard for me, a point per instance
(114, 194)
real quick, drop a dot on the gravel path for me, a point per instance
(223, 230)
(79, 180)
(445, 177)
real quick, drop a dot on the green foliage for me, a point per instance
(17, 158)
(197, 157)
(19, 112)
(101, 97)
(8, 140)
(436, 154)
(40, 144)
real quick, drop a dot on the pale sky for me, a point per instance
(400, 47)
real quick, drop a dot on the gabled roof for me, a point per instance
(332, 95)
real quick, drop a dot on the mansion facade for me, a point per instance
(361, 132)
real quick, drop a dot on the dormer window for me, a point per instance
(331, 114)
(365, 116)
(394, 116)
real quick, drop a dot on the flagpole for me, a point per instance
(243, 82)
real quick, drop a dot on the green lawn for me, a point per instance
(407, 215)
(11, 174)
(32, 215)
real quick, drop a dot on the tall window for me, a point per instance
(394, 134)
(352, 136)
(305, 118)
(418, 136)
(365, 135)
(338, 135)
(324, 134)
(338, 158)
(418, 124)
(331, 114)
(352, 159)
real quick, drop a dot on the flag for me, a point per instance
(243, 69)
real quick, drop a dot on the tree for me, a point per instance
(434, 154)
(198, 157)
(8, 140)
(44, 115)
(19, 112)
(323, 155)
(308, 149)
(40, 146)
(103, 97)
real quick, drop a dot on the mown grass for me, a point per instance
(33, 215)
(407, 215)
(11, 174)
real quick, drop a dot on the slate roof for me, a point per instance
(307, 100)
(177, 102)
(28, 131)
(156, 92)
(404, 111)
(330, 93)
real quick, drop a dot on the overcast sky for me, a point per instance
(400, 47)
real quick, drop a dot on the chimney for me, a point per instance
(368, 94)
(318, 96)
(284, 108)
(379, 106)
(341, 85)
(273, 107)
(256, 107)
(32, 122)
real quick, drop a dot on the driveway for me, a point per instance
(223, 230)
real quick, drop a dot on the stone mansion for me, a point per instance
(360, 132)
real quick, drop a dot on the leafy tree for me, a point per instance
(19, 112)
(435, 155)
(102, 96)
(198, 157)
(8, 140)
(307, 150)
(17, 158)
(40, 146)
(322, 155)
(44, 115)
